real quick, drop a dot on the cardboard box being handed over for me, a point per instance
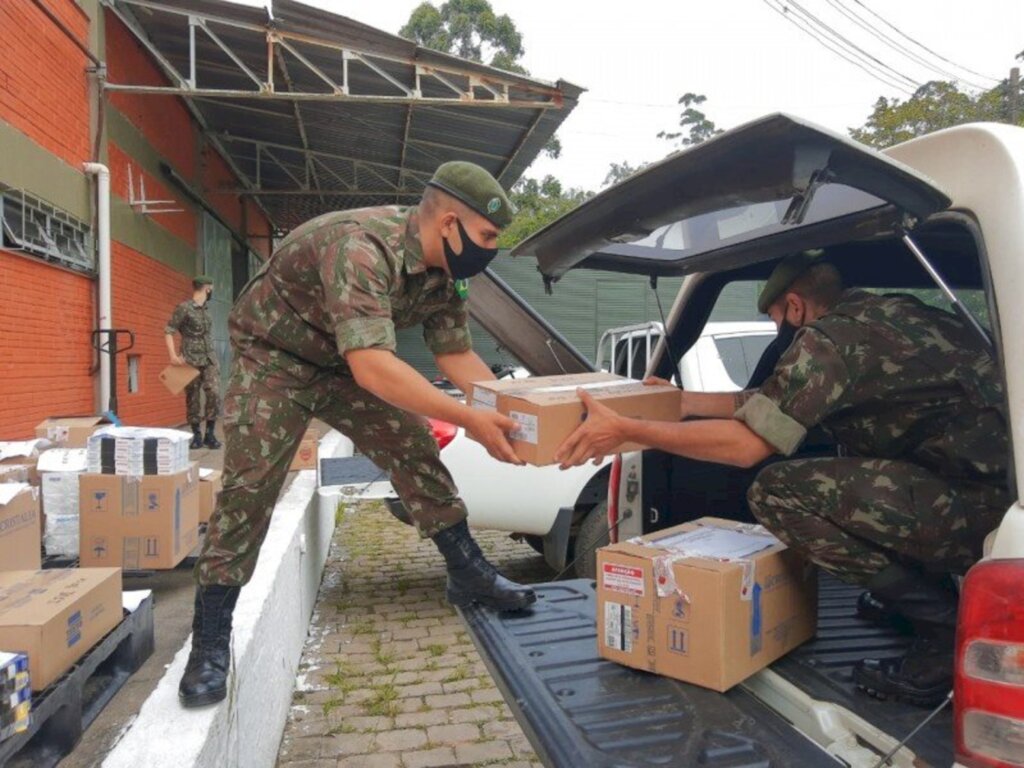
(548, 410)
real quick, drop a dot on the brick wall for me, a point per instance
(45, 355)
(144, 293)
(44, 89)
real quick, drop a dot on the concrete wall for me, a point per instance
(270, 625)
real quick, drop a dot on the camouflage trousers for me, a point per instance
(207, 382)
(855, 516)
(266, 413)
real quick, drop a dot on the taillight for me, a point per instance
(444, 432)
(988, 694)
(614, 481)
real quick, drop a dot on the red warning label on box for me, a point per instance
(623, 578)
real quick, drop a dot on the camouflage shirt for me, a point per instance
(890, 378)
(193, 322)
(347, 280)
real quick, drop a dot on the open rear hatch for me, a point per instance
(779, 180)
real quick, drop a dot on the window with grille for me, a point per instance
(35, 227)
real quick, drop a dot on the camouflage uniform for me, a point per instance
(343, 281)
(917, 404)
(192, 321)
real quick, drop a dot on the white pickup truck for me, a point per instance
(943, 213)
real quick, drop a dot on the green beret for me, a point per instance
(785, 272)
(202, 280)
(476, 188)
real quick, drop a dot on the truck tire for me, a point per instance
(593, 535)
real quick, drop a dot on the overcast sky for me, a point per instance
(637, 57)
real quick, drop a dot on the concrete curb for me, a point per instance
(270, 626)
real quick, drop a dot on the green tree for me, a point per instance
(538, 203)
(470, 29)
(935, 105)
(620, 171)
(694, 125)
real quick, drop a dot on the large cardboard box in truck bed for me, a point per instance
(548, 409)
(709, 602)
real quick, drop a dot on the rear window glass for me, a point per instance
(740, 355)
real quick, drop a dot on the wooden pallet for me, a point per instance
(62, 712)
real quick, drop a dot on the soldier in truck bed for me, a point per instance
(915, 401)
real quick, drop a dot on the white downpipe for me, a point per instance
(102, 174)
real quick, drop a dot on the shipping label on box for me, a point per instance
(138, 522)
(709, 602)
(547, 409)
(56, 616)
(20, 543)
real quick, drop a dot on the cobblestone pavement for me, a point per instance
(389, 678)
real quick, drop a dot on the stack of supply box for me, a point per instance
(139, 500)
(59, 470)
(15, 694)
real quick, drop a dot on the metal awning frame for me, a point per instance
(498, 88)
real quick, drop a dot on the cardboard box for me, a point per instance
(548, 409)
(18, 460)
(209, 486)
(59, 470)
(138, 522)
(177, 377)
(56, 616)
(308, 452)
(138, 451)
(19, 528)
(70, 431)
(694, 603)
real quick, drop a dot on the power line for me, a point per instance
(798, 23)
(850, 44)
(898, 47)
(903, 34)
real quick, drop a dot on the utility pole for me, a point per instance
(1014, 94)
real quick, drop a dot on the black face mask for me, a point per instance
(785, 335)
(472, 261)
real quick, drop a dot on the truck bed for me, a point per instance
(580, 710)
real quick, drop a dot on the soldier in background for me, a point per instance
(914, 399)
(192, 320)
(313, 335)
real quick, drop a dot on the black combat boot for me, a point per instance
(471, 579)
(872, 608)
(197, 438)
(206, 674)
(211, 440)
(923, 676)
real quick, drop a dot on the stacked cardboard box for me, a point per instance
(210, 485)
(55, 617)
(19, 527)
(15, 694)
(138, 522)
(59, 470)
(18, 460)
(138, 451)
(70, 431)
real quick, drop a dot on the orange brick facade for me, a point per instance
(47, 366)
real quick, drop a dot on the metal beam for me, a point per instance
(230, 139)
(299, 124)
(221, 93)
(329, 192)
(519, 145)
(494, 81)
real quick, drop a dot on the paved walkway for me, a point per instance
(389, 678)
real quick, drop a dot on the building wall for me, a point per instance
(47, 108)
